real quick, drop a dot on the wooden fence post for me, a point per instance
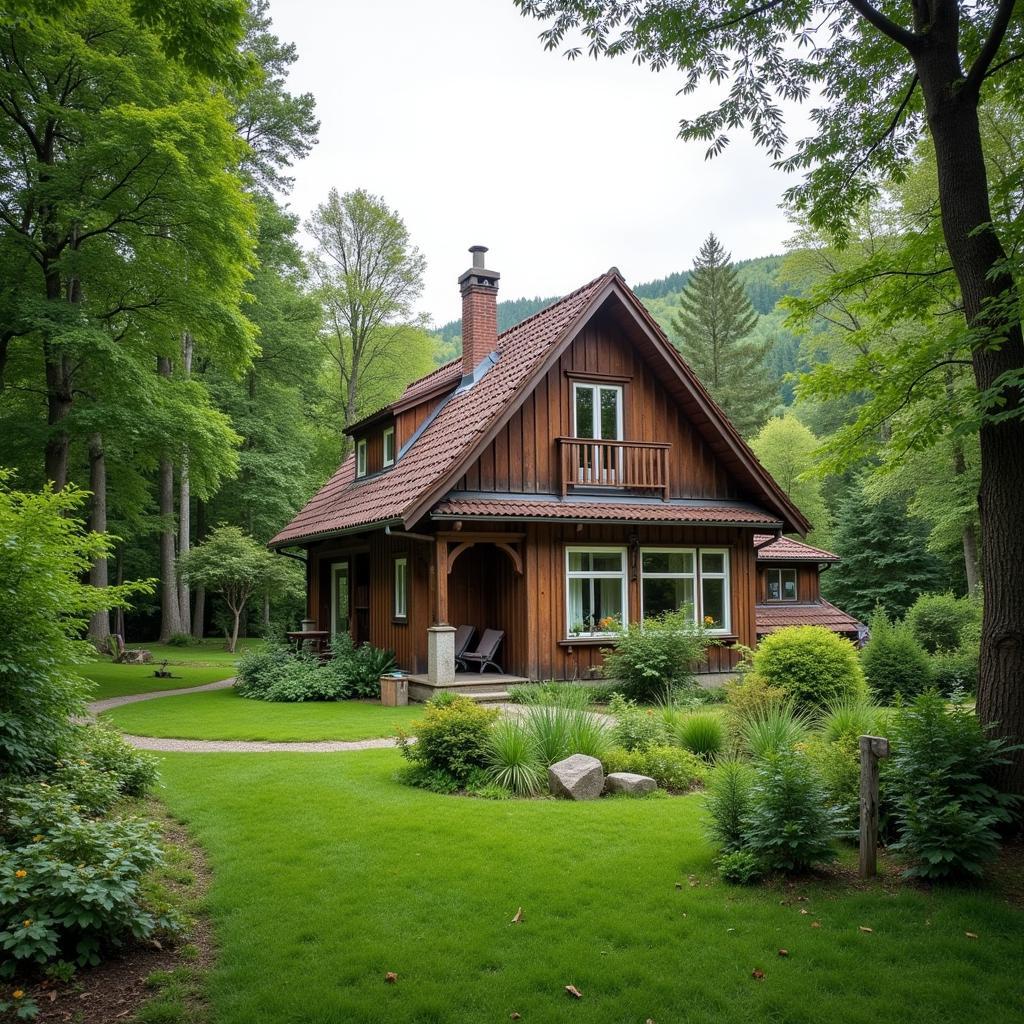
(871, 749)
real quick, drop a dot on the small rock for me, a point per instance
(578, 777)
(628, 782)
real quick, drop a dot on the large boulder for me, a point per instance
(628, 782)
(135, 657)
(578, 777)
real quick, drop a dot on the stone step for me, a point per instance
(481, 692)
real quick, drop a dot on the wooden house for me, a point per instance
(566, 476)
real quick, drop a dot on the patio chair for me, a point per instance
(485, 651)
(463, 638)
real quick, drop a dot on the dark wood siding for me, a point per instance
(523, 457)
(808, 590)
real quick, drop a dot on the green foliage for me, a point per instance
(134, 772)
(703, 733)
(184, 640)
(673, 768)
(728, 802)
(836, 763)
(789, 451)
(713, 325)
(955, 670)
(635, 728)
(512, 758)
(789, 826)
(894, 662)
(657, 657)
(70, 883)
(739, 868)
(947, 815)
(44, 608)
(812, 665)
(774, 729)
(847, 718)
(553, 692)
(748, 695)
(940, 622)
(452, 738)
(559, 730)
(885, 558)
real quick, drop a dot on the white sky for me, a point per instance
(453, 112)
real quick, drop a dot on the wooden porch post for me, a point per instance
(440, 582)
(440, 636)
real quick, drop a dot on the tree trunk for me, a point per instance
(199, 605)
(266, 609)
(119, 579)
(970, 542)
(170, 617)
(233, 639)
(99, 622)
(975, 252)
(58, 408)
(184, 500)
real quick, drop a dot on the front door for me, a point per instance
(597, 413)
(341, 598)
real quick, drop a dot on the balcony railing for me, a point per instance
(624, 465)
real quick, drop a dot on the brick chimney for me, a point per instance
(479, 289)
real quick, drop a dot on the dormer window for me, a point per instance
(361, 457)
(781, 584)
(389, 446)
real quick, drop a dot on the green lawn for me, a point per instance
(327, 874)
(223, 715)
(191, 666)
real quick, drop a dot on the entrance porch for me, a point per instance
(483, 687)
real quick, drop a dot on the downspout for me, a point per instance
(776, 535)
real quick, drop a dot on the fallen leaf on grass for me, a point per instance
(865, 928)
(391, 977)
(815, 924)
(515, 1016)
(757, 974)
(574, 991)
(679, 885)
(518, 919)
(971, 935)
(804, 910)
(783, 952)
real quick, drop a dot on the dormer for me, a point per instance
(376, 445)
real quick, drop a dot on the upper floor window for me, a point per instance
(401, 607)
(389, 446)
(781, 584)
(361, 457)
(695, 578)
(597, 410)
(595, 590)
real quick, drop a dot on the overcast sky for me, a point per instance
(453, 112)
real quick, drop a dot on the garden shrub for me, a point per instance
(946, 813)
(512, 758)
(452, 738)
(812, 665)
(672, 768)
(746, 696)
(837, 766)
(728, 802)
(555, 693)
(559, 730)
(657, 657)
(134, 771)
(939, 622)
(635, 728)
(184, 640)
(894, 662)
(774, 729)
(739, 868)
(358, 669)
(70, 884)
(789, 826)
(847, 719)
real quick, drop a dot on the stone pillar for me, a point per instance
(441, 655)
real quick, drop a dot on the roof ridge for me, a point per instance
(565, 298)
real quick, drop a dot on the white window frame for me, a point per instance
(388, 435)
(781, 599)
(361, 457)
(698, 581)
(695, 576)
(622, 576)
(596, 387)
(400, 576)
(725, 575)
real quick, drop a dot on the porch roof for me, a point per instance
(785, 550)
(692, 513)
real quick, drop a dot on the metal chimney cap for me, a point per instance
(478, 255)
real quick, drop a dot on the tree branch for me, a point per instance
(996, 68)
(907, 39)
(888, 131)
(990, 47)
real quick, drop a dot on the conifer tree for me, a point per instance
(713, 328)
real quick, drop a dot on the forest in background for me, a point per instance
(170, 346)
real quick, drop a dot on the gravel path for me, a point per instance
(224, 746)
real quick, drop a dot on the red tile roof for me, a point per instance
(653, 512)
(786, 550)
(773, 617)
(344, 503)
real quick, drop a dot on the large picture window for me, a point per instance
(694, 578)
(595, 590)
(781, 584)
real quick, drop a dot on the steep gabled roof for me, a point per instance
(782, 549)
(468, 419)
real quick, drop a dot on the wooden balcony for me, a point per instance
(588, 463)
